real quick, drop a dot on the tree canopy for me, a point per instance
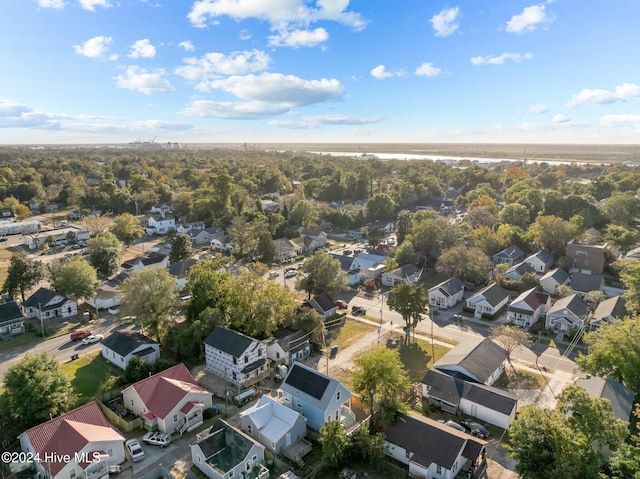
(411, 302)
(127, 228)
(105, 253)
(322, 274)
(22, 275)
(74, 277)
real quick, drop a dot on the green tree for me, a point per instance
(405, 253)
(552, 233)
(515, 214)
(335, 443)
(625, 461)
(427, 233)
(369, 447)
(465, 263)
(105, 253)
(380, 378)
(303, 214)
(22, 275)
(35, 389)
(75, 277)
(403, 225)
(630, 277)
(411, 302)
(613, 351)
(380, 207)
(622, 208)
(323, 274)
(150, 296)
(127, 228)
(208, 285)
(180, 248)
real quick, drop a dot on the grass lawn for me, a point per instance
(88, 373)
(519, 379)
(417, 357)
(350, 332)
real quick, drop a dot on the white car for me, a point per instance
(135, 450)
(274, 274)
(157, 438)
(290, 273)
(94, 338)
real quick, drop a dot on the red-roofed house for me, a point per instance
(528, 307)
(169, 401)
(80, 443)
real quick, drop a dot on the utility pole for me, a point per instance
(41, 320)
(324, 347)
(381, 305)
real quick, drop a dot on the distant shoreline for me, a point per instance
(625, 153)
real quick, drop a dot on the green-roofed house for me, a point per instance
(225, 452)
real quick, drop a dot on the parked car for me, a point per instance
(290, 268)
(453, 424)
(135, 450)
(341, 304)
(157, 438)
(274, 274)
(80, 334)
(356, 310)
(94, 338)
(290, 273)
(476, 429)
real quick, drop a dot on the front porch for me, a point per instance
(348, 420)
(192, 416)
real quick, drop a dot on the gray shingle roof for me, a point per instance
(480, 358)
(494, 294)
(126, 343)
(229, 341)
(573, 303)
(9, 311)
(449, 287)
(621, 398)
(584, 283)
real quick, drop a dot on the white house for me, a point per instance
(224, 452)
(285, 249)
(365, 267)
(567, 314)
(153, 260)
(404, 274)
(319, 398)
(431, 449)
(237, 358)
(119, 347)
(180, 270)
(540, 261)
(273, 425)
(554, 278)
(456, 396)
(47, 304)
(11, 320)
(488, 301)
(84, 435)
(323, 304)
(314, 238)
(160, 223)
(528, 307)
(446, 294)
(478, 360)
(288, 346)
(108, 293)
(169, 401)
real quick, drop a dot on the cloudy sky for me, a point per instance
(95, 71)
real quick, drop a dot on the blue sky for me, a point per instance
(507, 71)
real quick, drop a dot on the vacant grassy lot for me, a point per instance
(519, 379)
(347, 334)
(88, 373)
(417, 358)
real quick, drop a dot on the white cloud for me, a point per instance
(538, 108)
(281, 14)
(500, 59)
(187, 46)
(95, 47)
(57, 4)
(559, 118)
(445, 23)
(92, 4)
(380, 72)
(320, 120)
(249, 110)
(139, 79)
(142, 49)
(617, 120)
(624, 92)
(277, 88)
(213, 65)
(428, 70)
(16, 115)
(244, 34)
(299, 38)
(530, 19)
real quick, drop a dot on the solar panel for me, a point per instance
(307, 381)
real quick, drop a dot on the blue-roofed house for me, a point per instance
(446, 294)
(236, 357)
(318, 397)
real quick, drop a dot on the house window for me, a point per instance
(407, 454)
(248, 465)
(249, 429)
(338, 396)
(277, 355)
(72, 474)
(246, 359)
(299, 405)
(438, 469)
(132, 402)
(254, 459)
(233, 375)
(175, 418)
(235, 360)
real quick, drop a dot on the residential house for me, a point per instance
(162, 208)
(404, 274)
(446, 294)
(225, 452)
(323, 304)
(517, 271)
(285, 249)
(587, 258)
(527, 308)
(554, 278)
(621, 397)
(237, 358)
(540, 261)
(319, 398)
(273, 425)
(316, 238)
(510, 255)
(608, 310)
(84, 436)
(567, 314)
(592, 233)
(477, 360)
(108, 293)
(160, 223)
(203, 237)
(488, 301)
(456, 396)
(6, 214)
(46, 304)
(169, 401)
(288, 346)
(11, 320)
(119, 347)
(187, 227)
(180, 270)
(582, 283)
(153, 260)
(431, 449)
(365, 267)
